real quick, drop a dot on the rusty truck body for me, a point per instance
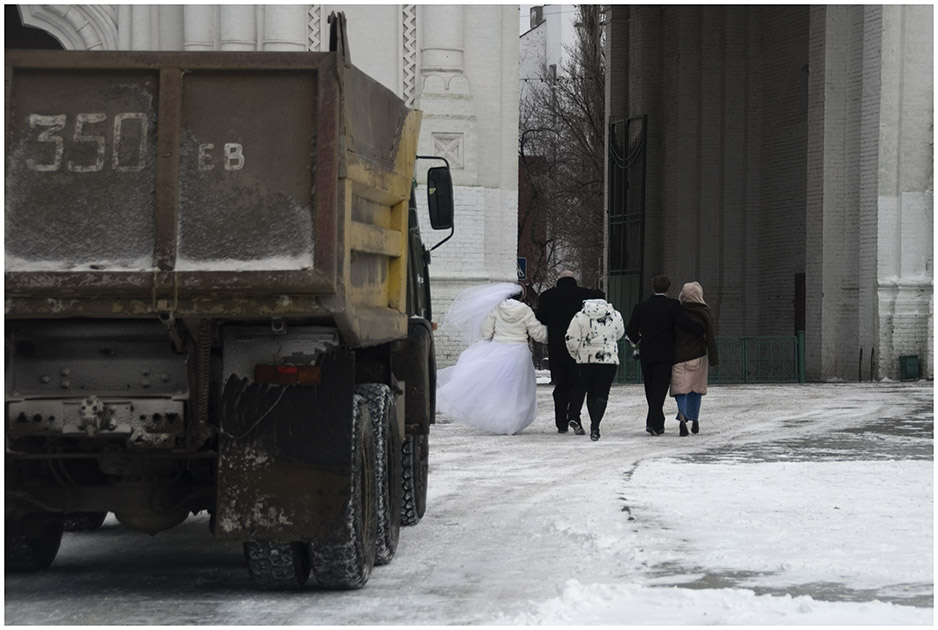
(216, 300)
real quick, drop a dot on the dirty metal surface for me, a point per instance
(285, 457)
(156, 176)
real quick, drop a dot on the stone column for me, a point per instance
(141, 28)
(198, 27)
(445, 95)
(237, 27)
(285, 27)
(905, 266)
(442, 33)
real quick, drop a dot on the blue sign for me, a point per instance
(522, 268)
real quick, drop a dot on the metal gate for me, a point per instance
(626, 228)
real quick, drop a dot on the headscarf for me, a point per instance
(692, 292)
(465, 316)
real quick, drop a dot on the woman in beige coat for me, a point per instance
(692, 357)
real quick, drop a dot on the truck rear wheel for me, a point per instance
(346, 560)
(277, 566)
(32, 544)
(388, 473)
(416, 469)
(84, 521)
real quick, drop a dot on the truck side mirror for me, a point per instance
(440, 197)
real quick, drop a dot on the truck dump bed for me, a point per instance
(224, 185)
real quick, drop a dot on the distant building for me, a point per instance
(542, 59)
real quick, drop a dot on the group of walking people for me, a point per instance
(492, 386)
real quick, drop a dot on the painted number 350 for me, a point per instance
(49, 127)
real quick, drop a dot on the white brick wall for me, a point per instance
(483, 250)
(905, 234)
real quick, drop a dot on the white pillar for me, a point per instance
(170, 27)
(285, 27)
(198, 27)
(124, 16)
(442, 33)
(140, 28)
(238, 27)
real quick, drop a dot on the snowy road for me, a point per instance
(797, 504)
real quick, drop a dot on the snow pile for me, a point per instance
(633, 605)
(778, 527)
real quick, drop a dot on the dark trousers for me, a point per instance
(568, 390)
(597, 378)
(657, 379)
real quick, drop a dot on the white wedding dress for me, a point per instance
(492, 387)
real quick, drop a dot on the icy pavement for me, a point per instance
(795, 505)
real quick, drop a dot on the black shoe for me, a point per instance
(561, 429)
(594, 434)
(684, 432)
(652, 431)
(694, 427)
(577, 428)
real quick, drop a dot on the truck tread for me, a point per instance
(346, 560)
(277, 565)
(388, 475)
(414, 495)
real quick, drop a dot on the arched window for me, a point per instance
(16, 35)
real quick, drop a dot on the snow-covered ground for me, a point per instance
(786, 509)
(795, 505)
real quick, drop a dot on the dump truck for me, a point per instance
(217, 300)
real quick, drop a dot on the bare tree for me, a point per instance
(562, 131)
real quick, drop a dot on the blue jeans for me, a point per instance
(689, 405)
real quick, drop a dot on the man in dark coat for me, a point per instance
(652, 326)
(555, 308)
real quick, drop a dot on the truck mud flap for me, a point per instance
(284, 456)
(415, 364)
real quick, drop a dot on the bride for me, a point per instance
(492, 386)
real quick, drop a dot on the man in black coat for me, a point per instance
(555, 308)
(652, 325)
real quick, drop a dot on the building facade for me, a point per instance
(788, 167)
(456, 63)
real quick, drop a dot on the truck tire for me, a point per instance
(32, 544)
(388, 474)
(416, 469)
(84, 521)
(277, 566)
(346, 560)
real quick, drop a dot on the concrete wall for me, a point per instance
(725, 202)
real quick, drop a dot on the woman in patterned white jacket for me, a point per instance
(592, 341)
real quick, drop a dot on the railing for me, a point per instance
(742, 360)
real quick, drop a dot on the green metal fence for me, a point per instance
(742, 360)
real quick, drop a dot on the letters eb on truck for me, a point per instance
(217, 300)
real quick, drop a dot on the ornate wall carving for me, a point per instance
(78, 27)
(314, 28)
(409, 49)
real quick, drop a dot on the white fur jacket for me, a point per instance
(593, 333)
(511, 322)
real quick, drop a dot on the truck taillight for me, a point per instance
(288, 374)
